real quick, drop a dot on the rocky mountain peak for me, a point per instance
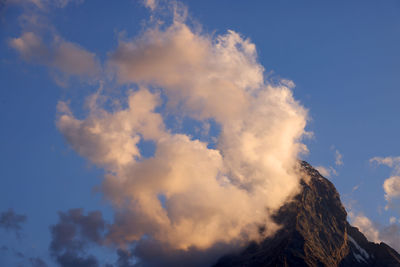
(314, 232)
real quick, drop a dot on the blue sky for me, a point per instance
(342, 56)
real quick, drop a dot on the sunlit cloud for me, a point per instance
(390, 234)
(393, 162)
(152, 4)
(189, 195)
(65, 56)
(40, 43)
(327, 172)
(391, 185)
(365, 225)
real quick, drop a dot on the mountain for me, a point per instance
(315, 232)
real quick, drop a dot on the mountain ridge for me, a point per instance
(315, 232)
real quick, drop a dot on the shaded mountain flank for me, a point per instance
(315, 232)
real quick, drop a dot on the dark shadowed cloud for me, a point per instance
(11, 221)
(37, 262)
(73, 234)
(124, 258)
(150, 253)
(72, 259)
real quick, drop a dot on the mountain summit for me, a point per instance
(314, 232)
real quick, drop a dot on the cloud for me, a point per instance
(66, 57)
(388, 161)
(338, 158)
(111, 139)
(73, 234)
(365, 225)
(11, 221)
(19, 254)
(39, 43)
(323, 171)
(44, 4)
(69, 259)
(192, 70)
(330, 171)
(151, 4)
(377, 233)
(391, 235)
(152, 253)
(391, 185)
(326, 172)
(190, 198)
(37, 262)
(355, 188)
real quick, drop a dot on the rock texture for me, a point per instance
(315, 232)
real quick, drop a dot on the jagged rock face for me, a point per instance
(314, 232)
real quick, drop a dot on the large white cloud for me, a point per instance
(188, 194)
(110, 140)
(210, 77)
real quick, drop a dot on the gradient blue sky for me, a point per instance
(343, 57)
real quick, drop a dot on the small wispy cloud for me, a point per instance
(392, 162)
(326, 171)
(338, 158)
(355, 188)
(329, 171)
(152, 4)
(43, 4)
(40, 43)
(67, 57)
(392, 220)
